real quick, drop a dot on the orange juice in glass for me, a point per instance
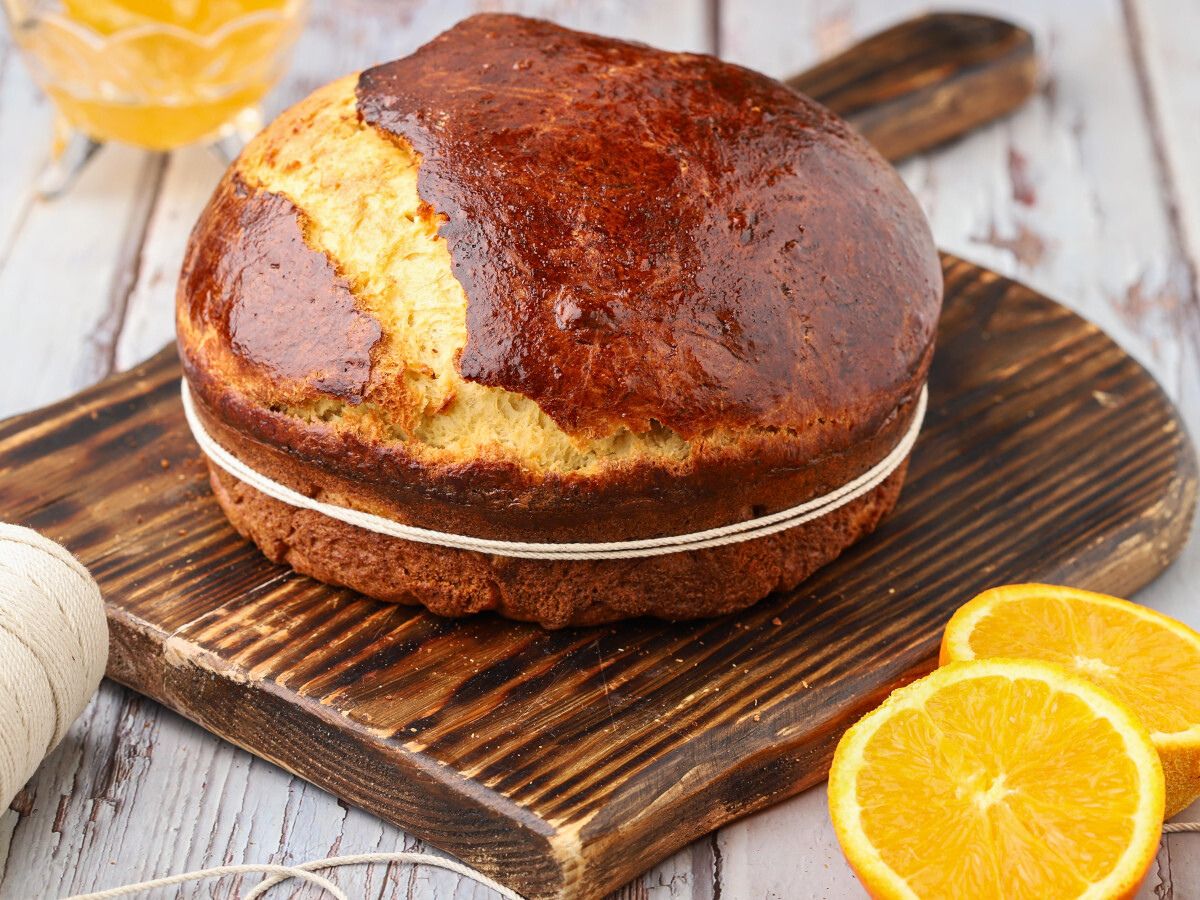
(155, 73)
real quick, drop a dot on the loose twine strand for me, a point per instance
(305, 871)
(659, 546)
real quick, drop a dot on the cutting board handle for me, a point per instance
(926, 80)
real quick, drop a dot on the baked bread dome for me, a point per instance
(532, 284)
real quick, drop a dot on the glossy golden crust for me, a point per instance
(649, 237)
(352, 191)
(281, 307)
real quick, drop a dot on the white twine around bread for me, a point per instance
(737, 532)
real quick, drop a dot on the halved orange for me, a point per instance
(1148, 660)
(998, 778)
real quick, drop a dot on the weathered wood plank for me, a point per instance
(24, 141)
(1162, 33)
(149, 320)
(67, 275)
(1168, 65)
(813, 868)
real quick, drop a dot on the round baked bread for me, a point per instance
(532, 284)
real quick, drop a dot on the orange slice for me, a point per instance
(998, 778)
(1148, 660)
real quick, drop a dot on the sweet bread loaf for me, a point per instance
(537, 285)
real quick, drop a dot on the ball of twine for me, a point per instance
(53, 650)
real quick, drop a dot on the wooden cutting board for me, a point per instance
(565, 763)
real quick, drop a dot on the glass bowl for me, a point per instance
(156, 73)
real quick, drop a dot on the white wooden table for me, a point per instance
(1091, 194)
